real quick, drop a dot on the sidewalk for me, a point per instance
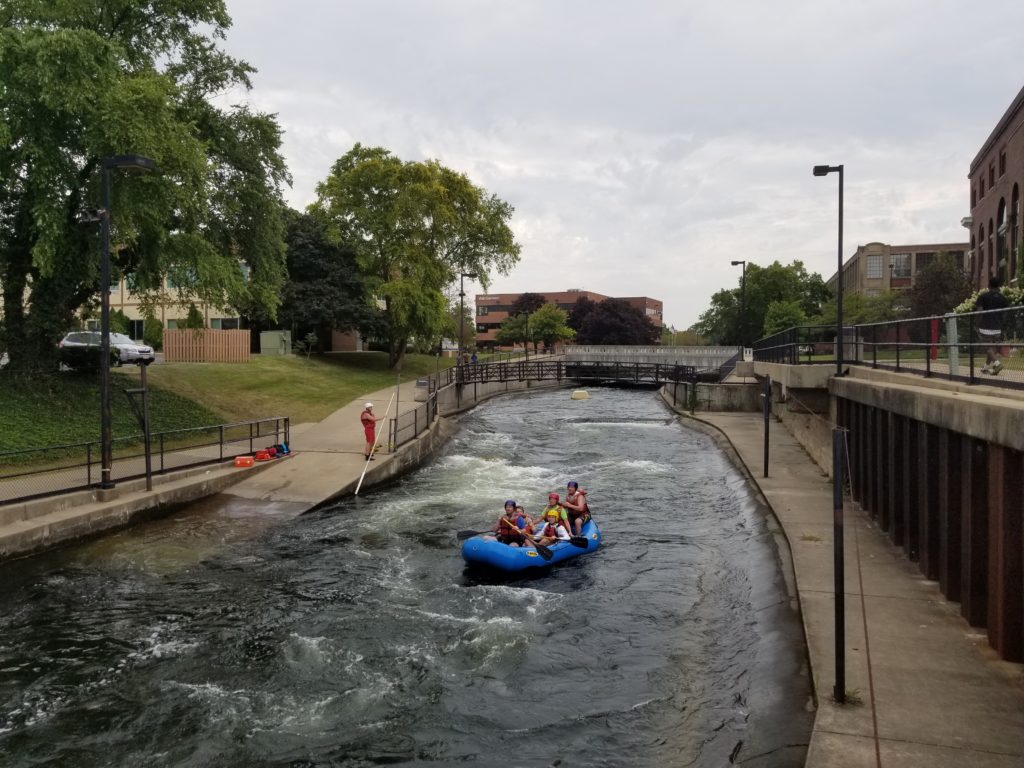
(328, 458)
(327, 461)
(924, 688)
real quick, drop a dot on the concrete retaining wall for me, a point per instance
(715, 397)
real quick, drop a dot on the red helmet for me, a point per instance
(552, 496)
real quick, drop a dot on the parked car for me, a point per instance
(81, 349)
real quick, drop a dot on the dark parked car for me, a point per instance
(81, 349)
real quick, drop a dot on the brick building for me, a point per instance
(493, 308)
(878, 267)
(996, 175)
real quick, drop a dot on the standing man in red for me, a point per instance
(369, 422)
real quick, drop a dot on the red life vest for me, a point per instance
(506, 527)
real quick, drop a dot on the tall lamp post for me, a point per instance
(462, 311)
(743, 301)
(824, 170)
(839, 691)
(135, 163)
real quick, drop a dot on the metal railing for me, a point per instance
(949, 346)
(557, 370)
(411, 424)
(38, 472)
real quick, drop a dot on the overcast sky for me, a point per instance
(645, 145)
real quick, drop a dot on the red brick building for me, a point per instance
(996, 176)
(493, 308)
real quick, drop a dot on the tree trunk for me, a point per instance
(396, 354)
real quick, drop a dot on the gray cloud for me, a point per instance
(646, 145)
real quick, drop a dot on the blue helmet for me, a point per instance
(572, 484)
(510, 502)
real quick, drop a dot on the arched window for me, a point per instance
(982, 263)
(1015, 229)
(972, 264)
(990, 247)
(1001, 254)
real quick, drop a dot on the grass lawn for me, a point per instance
(64, 408)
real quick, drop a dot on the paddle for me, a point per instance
(543, 551)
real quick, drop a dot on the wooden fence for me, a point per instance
(205, 345)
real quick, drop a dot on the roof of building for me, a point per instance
(1012, 110)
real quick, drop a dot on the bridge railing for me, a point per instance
(38, 472)
(578, 370)
(950, 346)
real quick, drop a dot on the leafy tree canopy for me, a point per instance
(82, 81)
(859, 308)
(579, 312)
(527, 303)
(616, 321)
(738, 314)
(939, 287)
(325, 290)
(782, 315)
(415, 227)
(549, 325)
(514, 330)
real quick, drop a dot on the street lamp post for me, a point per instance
(839, 690)
(824, 170)
(743, 301)
(462, 312)
(130, 162)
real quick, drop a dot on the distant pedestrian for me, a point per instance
(990, 324)
(369, 422)
(472, 359)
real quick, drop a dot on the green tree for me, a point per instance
(782, 315)
(194, 320)
(415, 226)
(515, 330)
(858, 309)
(325, 290)
(738, 314)
(939, 287)
(82, 81)
(548, 325)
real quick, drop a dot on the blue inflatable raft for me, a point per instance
(487, 550)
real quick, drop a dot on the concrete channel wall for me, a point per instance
(939, 467)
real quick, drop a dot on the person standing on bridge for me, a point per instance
(369, 422)
(990, 324)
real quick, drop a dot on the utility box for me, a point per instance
(275, 342)
(422, 393)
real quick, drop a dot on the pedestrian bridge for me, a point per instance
(701, 358)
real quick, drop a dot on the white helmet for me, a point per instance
(368, 405)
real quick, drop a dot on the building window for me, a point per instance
(224, 323)
(991, 174)
(1002, 161)
(981, 187)
(901, 265)
(135, 329)
(921, 260)
(481, 311)
(172, 325)
(482, 329)
(874, 268)
(974, 197)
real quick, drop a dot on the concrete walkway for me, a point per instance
(924, 689)
(327, 461)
